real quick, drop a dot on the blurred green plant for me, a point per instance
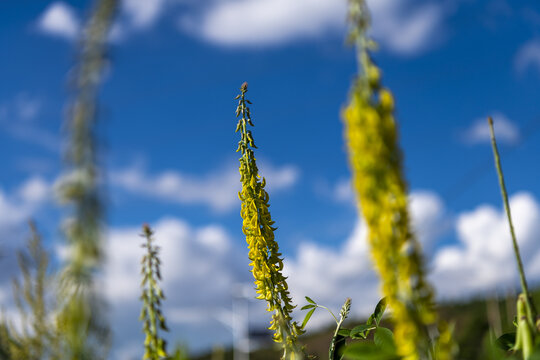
(266, 261)
(381, 347)
(83, 328)
(376, 163)
(152, 296)
(36, 337)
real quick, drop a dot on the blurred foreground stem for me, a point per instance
(83, 328)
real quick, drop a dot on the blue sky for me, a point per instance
(167, 134)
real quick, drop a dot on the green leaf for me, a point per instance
(309, 300)
(359, 332)
(308, 316)
(370, 320)
(344, 332)
(492, 351)
(506, 341)
(384, 338)
(379, 310)
(367, 351)
(305, 307)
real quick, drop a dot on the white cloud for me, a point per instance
(331, 275)
(429, 218)
(401, 26)
(406, 29)
(528, 56)
(60, 20)
(218, 190)
(506, 131)
(484, 260)
(143, 13)
(136, 15)
(35, 191)
(18, 207)
(268, 21)
(200, 267)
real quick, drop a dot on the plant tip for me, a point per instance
(147, 231)
(490, 120)
(244, 86)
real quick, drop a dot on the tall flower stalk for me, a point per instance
(152, 295)
(81, 321)
(266, 261)
(376, 162)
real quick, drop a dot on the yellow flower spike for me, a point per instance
(270, 284)
(376, 163)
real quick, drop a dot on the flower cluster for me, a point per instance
(376, 162)
(266, 261)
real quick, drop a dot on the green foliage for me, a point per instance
(383, 346)
(180, 352)
(152, 295)
(383, 343)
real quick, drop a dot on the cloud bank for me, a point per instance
(406, 27)
(217, 190)
(203, 266)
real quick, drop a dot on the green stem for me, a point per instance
(532, 313)
(338, 341)
(331, 313)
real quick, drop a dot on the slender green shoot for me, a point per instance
(338, 341)
(531, 313)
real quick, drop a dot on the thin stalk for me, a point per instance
(331, 313)
(532, 313)
(338, 341)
